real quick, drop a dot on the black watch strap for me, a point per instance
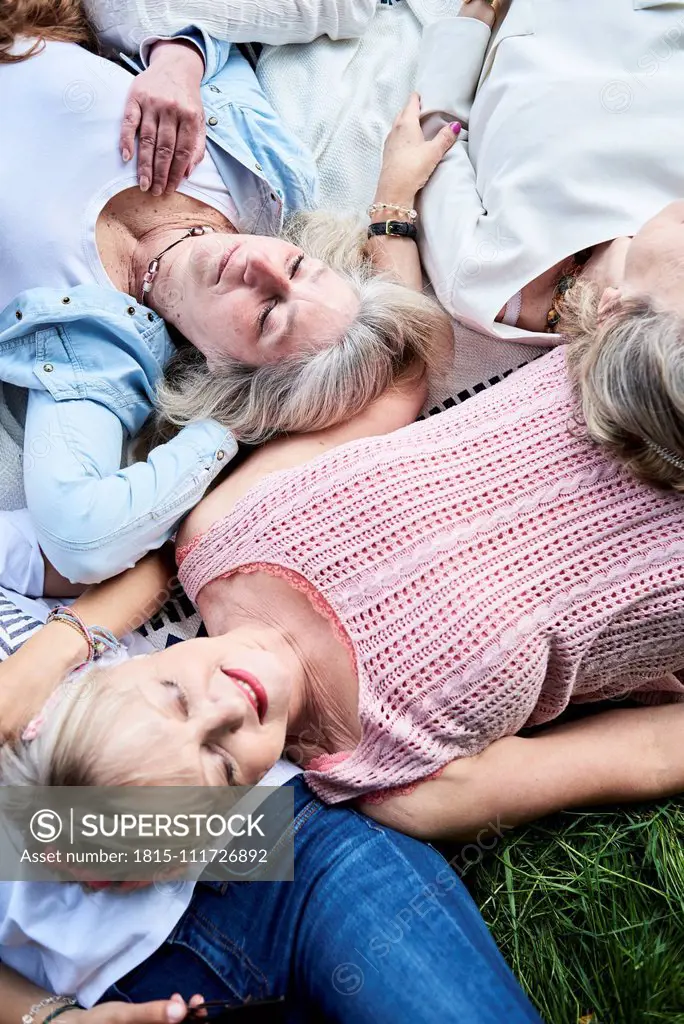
(399, 228)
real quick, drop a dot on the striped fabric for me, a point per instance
(16, 626)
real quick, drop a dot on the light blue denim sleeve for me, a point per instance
(215, 52)
(94, 519)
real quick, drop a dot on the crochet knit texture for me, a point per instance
(487, 567)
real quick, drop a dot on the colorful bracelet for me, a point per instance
(30, 1017)
(97, 638)
(404, 210)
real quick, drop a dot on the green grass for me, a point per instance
(588, 909)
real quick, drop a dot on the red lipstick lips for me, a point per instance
(257, 698)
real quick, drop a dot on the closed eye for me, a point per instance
(297, 264)
(226, 765)
(181, 696)
(263, 316)
(266, 312)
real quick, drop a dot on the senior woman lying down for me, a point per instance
(393, 610)
(273, 331)
(568, 149)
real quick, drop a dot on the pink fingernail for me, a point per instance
(144, 183)
(125, 156)
(455, 127)
(175, 1011)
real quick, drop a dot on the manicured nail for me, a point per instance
(157, 190)
(144, 183)
(175, 1011)
(126, 156)
(455, 127)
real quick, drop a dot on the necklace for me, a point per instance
(566, 282)
(153, 267)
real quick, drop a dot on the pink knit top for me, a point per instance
(486, 567)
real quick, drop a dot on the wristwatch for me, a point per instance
(399, 228)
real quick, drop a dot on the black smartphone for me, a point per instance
(256, 1011)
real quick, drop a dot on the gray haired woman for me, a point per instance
(274, 328)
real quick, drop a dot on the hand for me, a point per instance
(29, 676)
(482, 10)
(408, 160)
(161, 1011)
(164, 108)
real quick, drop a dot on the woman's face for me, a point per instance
(218, 707)
(652, 263)
(254, 298)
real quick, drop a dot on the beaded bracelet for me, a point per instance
(30, 1017)
(97, 638)
(404, 210)
(73, 1005)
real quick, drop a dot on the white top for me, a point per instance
(56, 934)
(572, 141)
(61, 119)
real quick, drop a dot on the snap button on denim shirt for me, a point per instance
(267, 171)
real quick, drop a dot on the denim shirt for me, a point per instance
(91, 359)
(92, 352)
(267, 171)
(88, 343)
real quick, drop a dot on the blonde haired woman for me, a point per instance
(275, 328)
(392, 608)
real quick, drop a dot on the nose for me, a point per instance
(261, 272)
(221, 712)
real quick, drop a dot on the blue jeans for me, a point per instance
(375, 927)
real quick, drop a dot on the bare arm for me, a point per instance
(17, 996)
(29, 676)
(613, 757)
(407, 164)
(396, 408)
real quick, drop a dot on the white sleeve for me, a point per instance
(451, 58)
(21, 563)
(124, 24)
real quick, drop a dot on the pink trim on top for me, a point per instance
(301, 584)
(183, 550)
(322, 762)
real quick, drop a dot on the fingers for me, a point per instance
(164, 152)
(170, 145)
(446, 138)
(147, 139)
(413, 105)
(131, 121)
(410, 112)
(186, 141)
(161, 1011)
(196, 1001)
